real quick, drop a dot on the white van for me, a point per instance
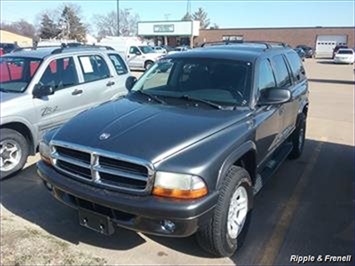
(138, 54)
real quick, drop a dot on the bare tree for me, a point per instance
(21, 27)
(106, 25)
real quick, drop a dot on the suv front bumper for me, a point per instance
(145, 214)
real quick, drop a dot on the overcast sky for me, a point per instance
(226, 14)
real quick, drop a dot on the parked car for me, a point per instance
(307, 49)
(138, 54)
(159, 49)
(186, 150)
(301, 53)
(345, 56)
(180, 49)
(8, 47)
(1, 51)
(41, 89)
(336, 49)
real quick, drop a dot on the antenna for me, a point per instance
(188, 7)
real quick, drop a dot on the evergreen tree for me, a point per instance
(48, 28)
(71, 26)
(201, 15)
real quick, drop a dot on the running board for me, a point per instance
(271, 166)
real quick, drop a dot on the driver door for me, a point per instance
(54, 110)
(134, 57)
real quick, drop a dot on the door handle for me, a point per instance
(77, 92)
(110, 83)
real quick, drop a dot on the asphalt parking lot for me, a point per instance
(307, 208)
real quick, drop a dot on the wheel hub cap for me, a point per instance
(237, 213)
(10, 155)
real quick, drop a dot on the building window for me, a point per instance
(232, 37)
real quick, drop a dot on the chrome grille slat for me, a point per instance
(125, 169)
(120, 173)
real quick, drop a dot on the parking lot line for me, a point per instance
(272, 247)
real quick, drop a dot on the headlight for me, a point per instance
(45, 152)
(181, 186)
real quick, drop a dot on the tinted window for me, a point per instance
(60, 73)
(266, 77)
(94, 68)
(281, 71)
(345, 52)
(296, 65)
(17, 72)
(118, 63)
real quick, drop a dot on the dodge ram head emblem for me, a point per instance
(104, 136)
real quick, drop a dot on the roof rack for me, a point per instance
(78, 45)
(60, 48)
(268, 44)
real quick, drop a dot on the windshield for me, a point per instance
(17, 72)
(345, 52)
(146, 49)
(224, 82)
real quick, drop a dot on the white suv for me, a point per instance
(41, 89)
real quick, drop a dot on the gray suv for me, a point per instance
(41, 89)
(186, 150)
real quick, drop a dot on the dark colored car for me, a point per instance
(8, 47)
(336, 49)
(301, 53)
(187, 149)
(307, 49)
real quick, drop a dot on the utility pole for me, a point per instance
(118, 17)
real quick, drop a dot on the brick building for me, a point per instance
(293, 36)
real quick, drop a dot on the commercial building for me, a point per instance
(172, 33)
(10, 37)
(293, 36)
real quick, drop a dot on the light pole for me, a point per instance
(118, 17)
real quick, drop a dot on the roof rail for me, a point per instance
(268, 44)
(79, 46)
(33, 48)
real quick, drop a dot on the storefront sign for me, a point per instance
(164, 28)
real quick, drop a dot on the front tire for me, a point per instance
(14, 151)
(227, 228)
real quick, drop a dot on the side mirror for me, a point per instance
(274, 96)
(130, 81)
(40, 91)
(138, 53)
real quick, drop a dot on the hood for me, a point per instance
(147, 131)
(7, 96)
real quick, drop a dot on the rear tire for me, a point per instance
(148, 65)
(14, 151)
(298, 137)
(222, 234)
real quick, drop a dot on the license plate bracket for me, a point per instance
(96, 221)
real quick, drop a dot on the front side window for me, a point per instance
(17, 72)
(133, 50)
(118, 63)
(281, 72)
(60, 73)
(266, 76)
(222, 81)
(93, 67)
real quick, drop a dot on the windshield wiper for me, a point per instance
(189, 98)
(151, 96)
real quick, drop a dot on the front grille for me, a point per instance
(112, 171)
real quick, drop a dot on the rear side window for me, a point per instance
(118, 63)
(266, 77)
(345, 52)
(296, 66)
(94, 67)
(281, 72)
(60, 73)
